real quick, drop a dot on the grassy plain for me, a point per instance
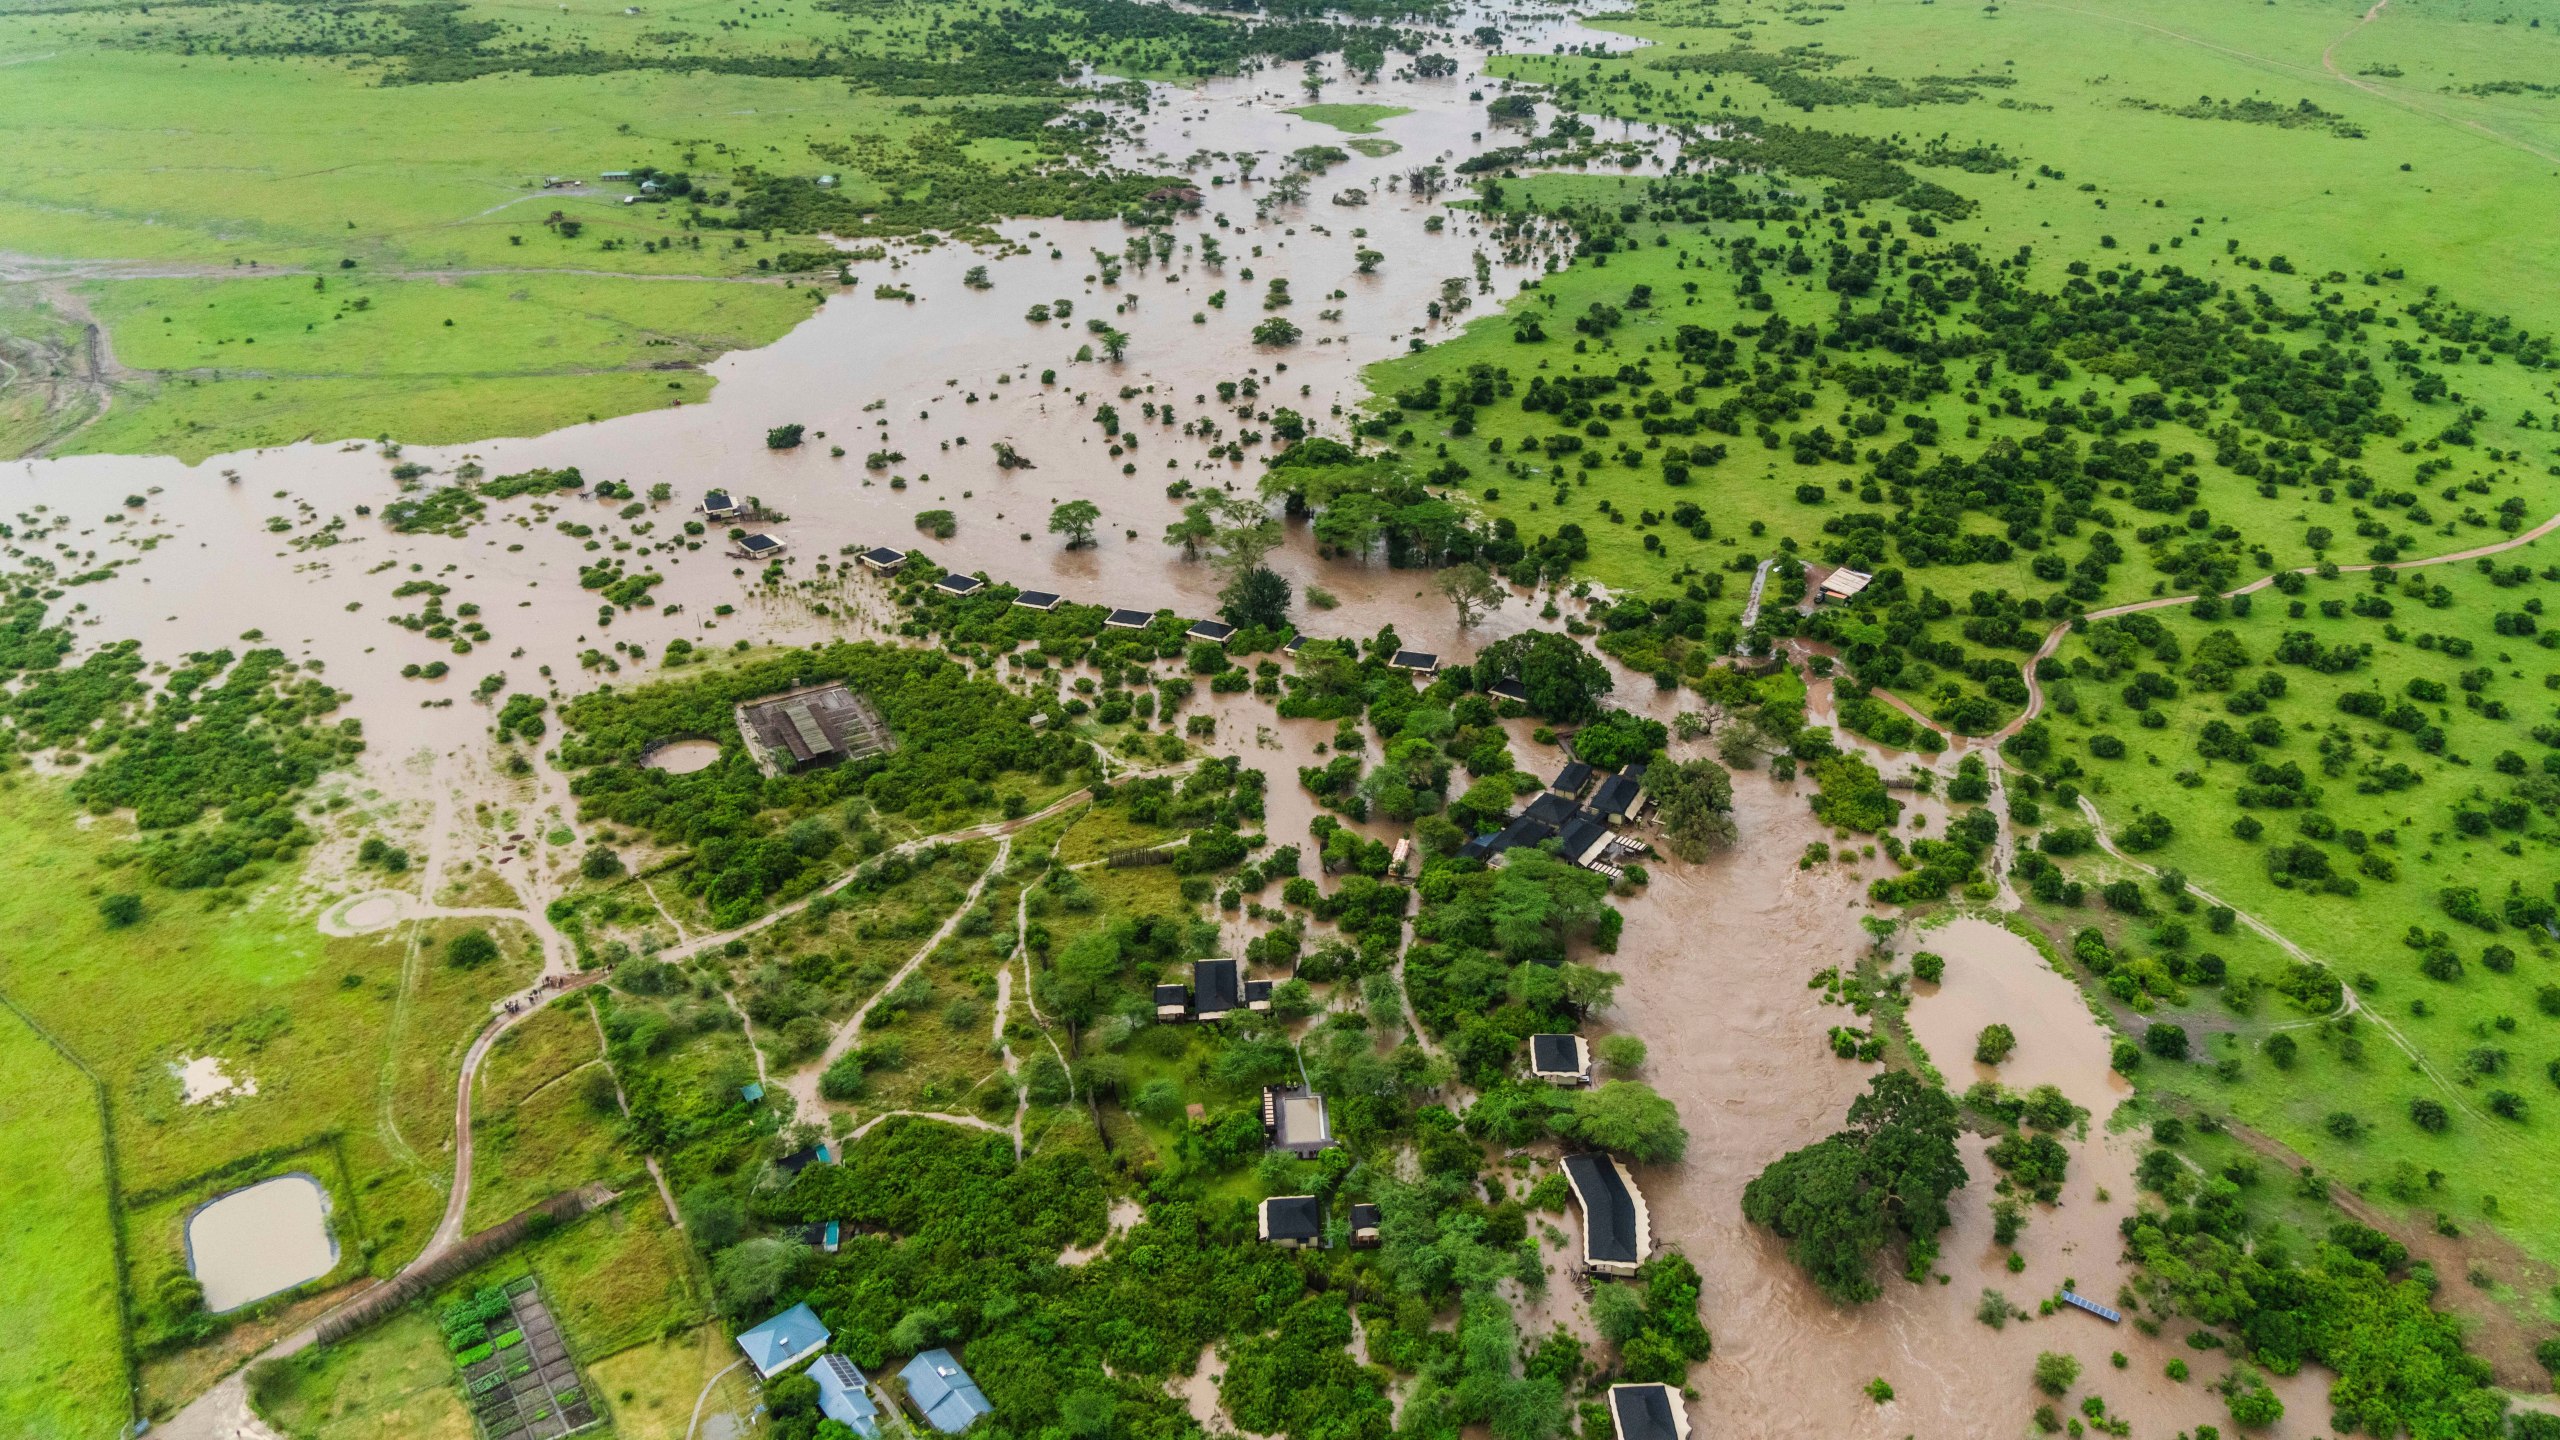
(2481, 1031)
(64, 1375)
(536, 1130)
(1351, 119)
(616, 1280)
(2104, 175)
(354, 1044)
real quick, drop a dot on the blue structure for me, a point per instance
(943, 1392)
(844, 1395)
(2072, 1298)
(784, 1341)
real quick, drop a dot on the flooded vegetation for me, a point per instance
(1070, 747)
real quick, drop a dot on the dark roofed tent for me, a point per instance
(1571, 778)
(1217, 985)
(1550, 808)
(1508, 690)
(1294, 642)
(1212, 631)
(759, 545)
(1365, 1220)
(884, 559)
(1616, 795)
(1127, 619)
(1523, 831)
(1614, 1229)
(1293, 1219)
(1420, 662)
(1171, 1000)
(1257, 994)
(956, 584)
(1556, 1054)
(1581, 837)
(717, 503)
(1036, 600)
(1647, 1412)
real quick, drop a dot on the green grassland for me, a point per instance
(176, 160)
(2384, 812)
(536, 1128)
(65, 1376)
(616, 1280)
(1351, 119)
(2049, 164)
(354, 1045)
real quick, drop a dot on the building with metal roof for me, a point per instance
(1418, 662)
(844, 1395)
(882, 560)
(784, 1341)
(757, 547)
(813, 725)
(1040, 600)
(1216, 988)
(1127, 619)
(954, 583)
(718, 505)
(943, 1393)
(1213, 631)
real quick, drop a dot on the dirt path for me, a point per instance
(2329, 62)
(803, 1082)
(622, 1102)
(2053, 640)
(458, 1200)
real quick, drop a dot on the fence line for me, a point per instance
(472, 1251)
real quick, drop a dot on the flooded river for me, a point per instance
(1716, 957)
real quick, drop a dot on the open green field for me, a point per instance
(543, 1118)
(2455, 814)
(353, 1046)
(1963, 344)
(1351, 119)
(65, 1376)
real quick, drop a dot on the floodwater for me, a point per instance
(203, 1081)
(1715, 958)
(1995, 977)
(1716, 961)
(253, 1242)
(685, 756)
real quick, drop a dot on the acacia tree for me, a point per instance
(1693, 803)
(1258, 598)
(1837, 1201)
(1564, 681)
(1075, 520)
(1472, 592)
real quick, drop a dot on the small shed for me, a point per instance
(943, 1393)
(1212, 631)
(717, 505)
(881, 560)
(1294, 1119)
(799, 1160)
(1257, 994)
(1560, 1059)
(1172, 1002)
(1573, 779)
(1297, 643)
(958, 584)
(1364, 1226)
(1296, 1221)
(1417, 662)
(758, 547)
(1647, 1412)
(751, 1092)
(1845, 583)
(1617, 1230)
(823, 1235)
(844, 1395)
(1216, 988)
(1127, 619)
(784, 1341)
(1040, 600)
(1511, 690)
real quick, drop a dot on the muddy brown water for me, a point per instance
(252, 1242)
(1715, 957)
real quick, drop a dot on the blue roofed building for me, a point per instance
(943, 1393)
(845, 1396)
(784, 1341)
